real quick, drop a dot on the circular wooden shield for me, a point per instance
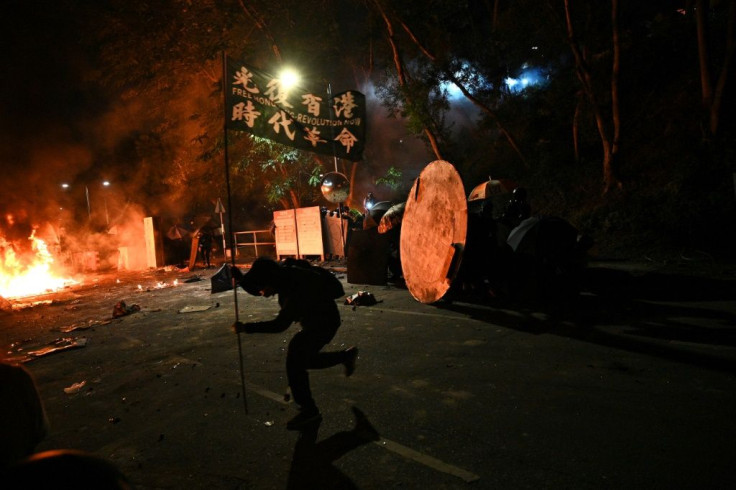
(433, 231)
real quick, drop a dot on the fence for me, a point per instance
(254, 241)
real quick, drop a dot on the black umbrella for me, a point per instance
(177, 232)
(223, 279)
(392, 218)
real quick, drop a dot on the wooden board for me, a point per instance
(433, 231)
(309, 231)
(299, 232)
(285, 224)
(193, 251)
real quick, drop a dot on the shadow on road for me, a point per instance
(311, 465)
(644, 310)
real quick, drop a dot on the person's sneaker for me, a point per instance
(304, 419)
(351, 356)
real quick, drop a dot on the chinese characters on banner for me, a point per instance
(259, 104)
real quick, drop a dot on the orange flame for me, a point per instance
(29, 274)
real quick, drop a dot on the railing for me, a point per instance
(254, 242)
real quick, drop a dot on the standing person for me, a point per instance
(205, 244)
(304, 296)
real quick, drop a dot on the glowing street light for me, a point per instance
(289, 78)
(106, 183)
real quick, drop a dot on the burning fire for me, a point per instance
(30, 273)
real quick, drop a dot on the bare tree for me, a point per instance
(610, 138)
(712, 94)
(403, 78)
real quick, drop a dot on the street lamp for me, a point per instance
(289, 78)
(66, 186)
(106, 183)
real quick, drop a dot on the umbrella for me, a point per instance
(526, 232)
(492, 187)
(177, 232)
(375, 213)
(546, 238)
(392, 218)
(223, 279)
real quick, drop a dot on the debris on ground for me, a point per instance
(192, 309)
(75, 388)
(57, 346)
(361, 298)
(83, 325)
(121, 309)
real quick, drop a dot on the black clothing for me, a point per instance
(302, 298)
(205, 245)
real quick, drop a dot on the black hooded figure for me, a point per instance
(303, 298)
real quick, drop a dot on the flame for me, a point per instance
(28, 274)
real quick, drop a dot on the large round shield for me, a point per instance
(433, 231)
(335, 187)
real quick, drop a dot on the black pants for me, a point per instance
(205, 255)
(304, 353)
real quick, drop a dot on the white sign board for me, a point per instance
(309, 231)
(298, 232)
(285, 225)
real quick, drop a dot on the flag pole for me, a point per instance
(233, 248)
(334, 155)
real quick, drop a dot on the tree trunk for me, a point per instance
(717, 96)
(586, 80)
(261, 24)
(615, 69)
(576, 127)
(705, 83)
(353, 172)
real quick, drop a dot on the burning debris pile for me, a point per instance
(47, 257)
(28, 269)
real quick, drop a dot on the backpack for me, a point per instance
(330, 282)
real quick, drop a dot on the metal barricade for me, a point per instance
(253, 235)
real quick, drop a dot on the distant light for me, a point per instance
(528, 77)
(65, 185)
(289, 78)
(106, 183)
(453, 91)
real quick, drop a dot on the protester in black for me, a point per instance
(205, 244)
(304, 297)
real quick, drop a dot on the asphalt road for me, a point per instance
(631, 388)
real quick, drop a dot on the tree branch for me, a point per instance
(261, 24)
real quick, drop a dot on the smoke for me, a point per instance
(388, 144)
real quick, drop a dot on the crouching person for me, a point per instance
(306, 294)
